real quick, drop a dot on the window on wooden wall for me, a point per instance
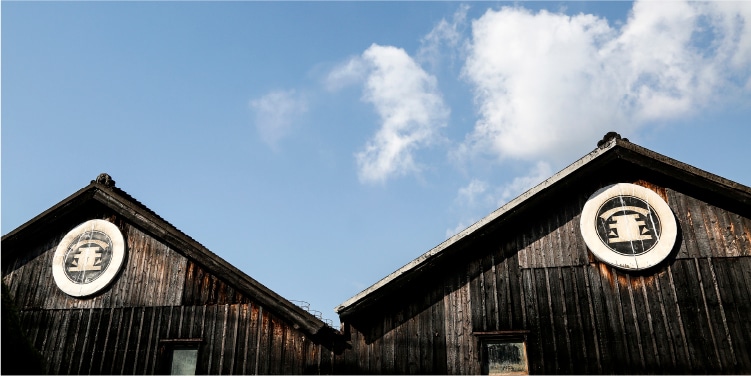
(179, 356)
(503, 353)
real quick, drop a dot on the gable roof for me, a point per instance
(103, 191)
(611, 151)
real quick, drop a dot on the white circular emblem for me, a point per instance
(88, 258)
(628, 226)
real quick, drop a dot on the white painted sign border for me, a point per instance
(654, 256)
(116, 262)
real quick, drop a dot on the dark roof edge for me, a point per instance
(621, 147)
(125, 205)
(63, 206)
(706, 180)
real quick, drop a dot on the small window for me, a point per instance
(184, 361)
(179, 356)
(503, 353)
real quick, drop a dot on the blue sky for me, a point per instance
(319, 146)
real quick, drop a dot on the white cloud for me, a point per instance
(547, 84)
(736, 23)
(470, 201)
(538, 82)
(457, 229)
(445, 37)
(478, 198)
(470, 195)
(521, 184)
(409, 105)
(353, 71)
(276, 112)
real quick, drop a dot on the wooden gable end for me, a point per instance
(530, 276)
(154, 274)
(170, 293)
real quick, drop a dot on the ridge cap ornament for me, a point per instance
(628, 226)
(88, 258)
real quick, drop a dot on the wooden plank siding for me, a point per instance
(126, 348)
(692, 314)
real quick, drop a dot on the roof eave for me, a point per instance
(67, 205)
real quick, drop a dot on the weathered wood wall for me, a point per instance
(237, 339)
(690, 315)
(159, 294)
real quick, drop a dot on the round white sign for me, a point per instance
(628, 226)
(88, 258)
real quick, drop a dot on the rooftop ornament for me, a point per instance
(105, 180)
(609, 136)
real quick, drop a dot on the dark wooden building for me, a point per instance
(624, 262)
(103, 285)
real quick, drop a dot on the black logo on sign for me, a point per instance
(628, 225)
(88, 257)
